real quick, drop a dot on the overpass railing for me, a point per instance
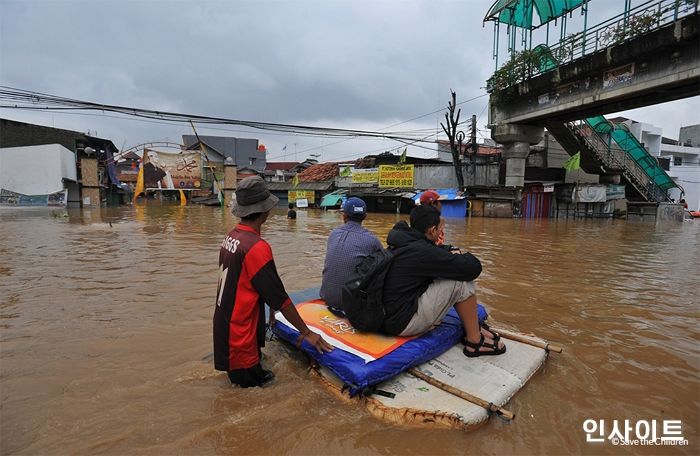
(633, 22)
(636, 21)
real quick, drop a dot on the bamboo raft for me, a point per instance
(452, 390)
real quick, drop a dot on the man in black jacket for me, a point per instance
(425, 281)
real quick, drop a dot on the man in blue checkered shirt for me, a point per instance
(348, 245)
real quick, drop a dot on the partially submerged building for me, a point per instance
(248, 155)
(38, 164)
(680, 158)
(280, 171)
(128, 169)
(42, 175)
(285, 171)
(309, 185)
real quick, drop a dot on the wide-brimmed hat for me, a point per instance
(251, 197)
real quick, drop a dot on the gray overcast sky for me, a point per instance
(336, 63)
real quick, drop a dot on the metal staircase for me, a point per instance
(597, 157)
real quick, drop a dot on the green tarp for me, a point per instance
(627, 142)
(600, 124)
(546, 61)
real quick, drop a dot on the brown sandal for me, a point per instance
(494, 335)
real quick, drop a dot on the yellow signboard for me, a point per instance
(365, 175)
(400, 176)
(294, 195)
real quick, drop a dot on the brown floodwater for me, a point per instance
(105, 338)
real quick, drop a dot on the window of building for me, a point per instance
(251, 161)
(677, 161)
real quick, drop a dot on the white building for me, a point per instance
(683, 156)
(37, 175)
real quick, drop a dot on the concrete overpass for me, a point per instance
(660, 66)
(654, 67)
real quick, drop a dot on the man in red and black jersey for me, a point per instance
(247, 280)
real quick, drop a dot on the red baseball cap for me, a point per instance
(429, 196)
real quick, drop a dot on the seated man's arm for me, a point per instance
(445, 265)
(377, 244)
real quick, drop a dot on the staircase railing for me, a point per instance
(618, 160)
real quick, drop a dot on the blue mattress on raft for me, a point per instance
(359, 376)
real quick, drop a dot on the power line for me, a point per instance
(52, 102)
(390, 126)
(424, 139)
(129, 118)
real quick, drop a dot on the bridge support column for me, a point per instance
(516, 140)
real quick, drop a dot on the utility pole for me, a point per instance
(475, 146)
(474, 151)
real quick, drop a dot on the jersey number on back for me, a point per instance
(222, 282)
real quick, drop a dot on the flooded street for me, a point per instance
(106, 336)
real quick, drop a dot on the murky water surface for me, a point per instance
(105, 323)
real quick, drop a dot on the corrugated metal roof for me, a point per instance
(380, 192)
(283, 166)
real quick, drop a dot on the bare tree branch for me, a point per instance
(451, 131)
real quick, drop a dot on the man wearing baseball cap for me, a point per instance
(248, 280)
(347, 246)
(432, 198)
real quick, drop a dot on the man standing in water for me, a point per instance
(291, 213)
(347, 246)
(248, 280)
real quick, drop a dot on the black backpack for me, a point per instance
(362, 293)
